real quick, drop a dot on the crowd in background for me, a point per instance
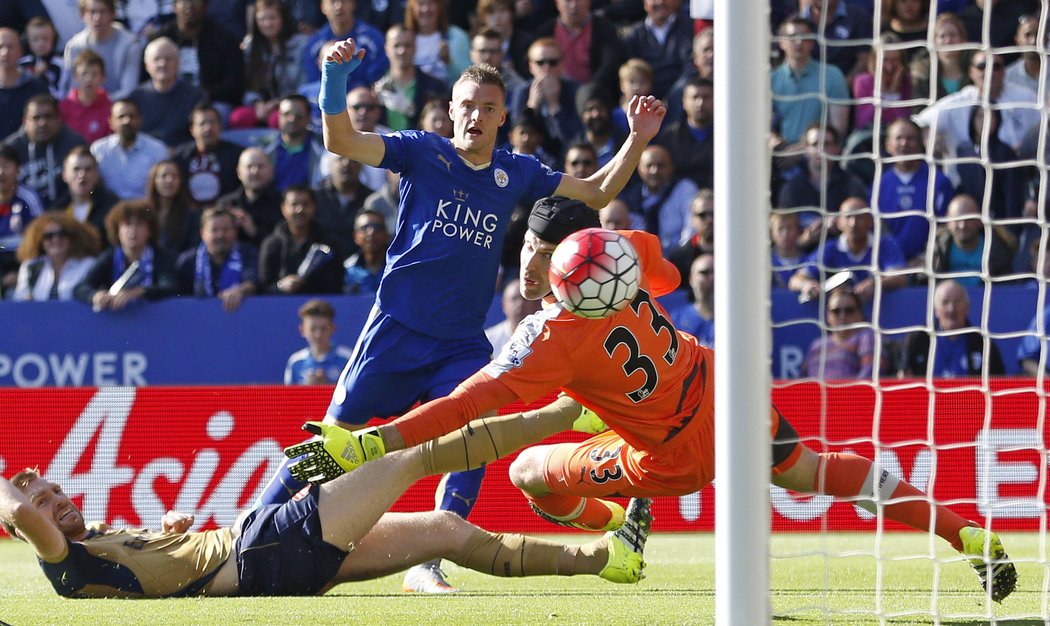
(155, 149)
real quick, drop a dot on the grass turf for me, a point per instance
(815, 579)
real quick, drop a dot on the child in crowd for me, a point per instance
(86, 109)
(636, 79)
(42, 60)
(318, 363)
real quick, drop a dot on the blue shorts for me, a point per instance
(393, 367)
(281, 553)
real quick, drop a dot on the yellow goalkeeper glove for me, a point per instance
(337, 451)
(589, 422)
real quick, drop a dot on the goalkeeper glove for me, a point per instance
(337, 452)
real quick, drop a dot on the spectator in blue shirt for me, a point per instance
(786, 256)
(318, 363)
(365, 268)
(853, 251)
(958, 349)
(698, 316)
(341, 25)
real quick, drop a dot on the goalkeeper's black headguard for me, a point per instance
(556, 217)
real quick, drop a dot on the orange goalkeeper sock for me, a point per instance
(848, 475)
(586, 513)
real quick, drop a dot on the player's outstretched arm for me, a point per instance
(339, 133)
(645, 114)
(32, 524)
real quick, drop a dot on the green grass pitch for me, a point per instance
(816, 579)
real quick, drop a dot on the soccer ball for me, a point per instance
(594, 273)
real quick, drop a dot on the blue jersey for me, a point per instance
(897, 195)
(303, 362)
(835, 256)
(442, 263)
(687, 319)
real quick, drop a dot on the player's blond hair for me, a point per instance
(482, 74)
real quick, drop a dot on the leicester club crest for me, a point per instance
(501, 177)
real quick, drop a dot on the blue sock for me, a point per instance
(281, 488)
(461, 491)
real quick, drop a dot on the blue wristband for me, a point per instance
(332, 98)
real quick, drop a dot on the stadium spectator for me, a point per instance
(43, 59)
(220, 266)
(86, 197)
(615, 216)
(894, 86)
(1007, 193)
(664, 40)
(703, 66)
(434, 118)
(256, 203)
(691, 140)
(952, 61)
(697, 317)
(42, 144)
(442, 49)
(342, 25)
(515, 308)
(210, 57)
(636, 79)
(702, 241)
(85, 110)
(339, 201)
(273, 55)
(1002, 22)
(548, 96)
(948, 119)
(16, 86)
(958, 348)
(853, 252)
(166, 101)
(365, 110)
(594, 105)
(848, 347)
(527, 135)
(55, 254)
(821, 186)
(1025, 70)
(515, 37)
(126, 156)
(19, 206)
(282, 549)
(298, 257)
(487, 47)
(843, 20)
(907, 187)
(800, 76)
(406, 88)
(134, 269)
(364, 268)
(296, 151)
(382, 13)
(590, 44)
(168, 197)
(319, 363)
(964, 245)
(581, 160)
(208, 162)
(120, 50)
(660, 204)
(786, 256)
(907, 19)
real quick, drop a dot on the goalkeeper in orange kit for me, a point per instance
(653, 386)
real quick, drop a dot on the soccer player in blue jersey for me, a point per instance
(426, 332)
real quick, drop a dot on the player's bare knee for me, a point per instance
(526, 472)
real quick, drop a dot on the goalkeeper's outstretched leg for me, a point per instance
(852, 477)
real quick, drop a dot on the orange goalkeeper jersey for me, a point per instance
(646, 379)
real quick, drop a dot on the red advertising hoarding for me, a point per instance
(127, 455)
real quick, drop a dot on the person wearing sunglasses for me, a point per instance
(847, 349)
(56, 253)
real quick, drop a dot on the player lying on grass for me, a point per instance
(653, 386)
(328, 534)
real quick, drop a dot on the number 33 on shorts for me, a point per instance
(605, 466)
